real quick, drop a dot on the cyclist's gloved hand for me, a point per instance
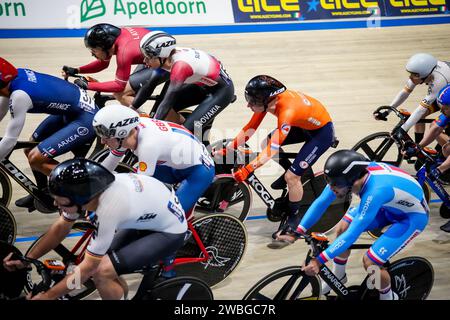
(410, 149)
(399, 134)
(69, 71)
(242, 173)
(381, 115)
(82, 83)
(434, 174)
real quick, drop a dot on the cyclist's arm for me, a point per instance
(248, 130)
(94, 66)
(3, 107)
(273, 147)
(435, 130)
(53, 237)
(404, 94)
(316, 210)
(368, 210)
(178, 74)
(113, 159)
(147, 89)
(20, 102)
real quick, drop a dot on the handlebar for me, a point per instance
(390, 109)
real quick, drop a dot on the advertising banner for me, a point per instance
(73, 14)
(266, 10)
(416, 7)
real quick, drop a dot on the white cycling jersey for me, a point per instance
(440, 78)
(133, 202)
(163, 143)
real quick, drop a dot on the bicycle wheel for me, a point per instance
(289, 283)
(215, 198)
(8, 226)
(6, 189)
(380, 146)
(225, 240)
(180, 288)
(334, 213)
(412, 278)
(61, 252)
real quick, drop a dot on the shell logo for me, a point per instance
(142, 166)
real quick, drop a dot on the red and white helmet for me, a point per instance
(7, 72)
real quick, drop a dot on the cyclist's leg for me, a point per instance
(132, 255)
(320, 141)
(217, 99)
(45, 129)
(195, 181)
(399, 234)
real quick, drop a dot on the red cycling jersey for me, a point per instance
(127, 53)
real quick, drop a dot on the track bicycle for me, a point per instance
(411, 278)
(213, 249)
(152, 286)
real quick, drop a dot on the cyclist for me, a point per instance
(104, 41)
(423, 68)
(437, 127)
(301, 118)
(68, 128)
(389, 197)
(138, 221)
(196, 78)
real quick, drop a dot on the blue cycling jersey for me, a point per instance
(52, 95)
(389, 195)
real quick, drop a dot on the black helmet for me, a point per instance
(79, 179)
(102, 35)
(261, 89)
(344, 167)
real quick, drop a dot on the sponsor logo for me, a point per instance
(365, 207)
(405, 203)
(334, 281)
(314, 121)
(59, 106)
(262, 192)
(124, 123)
(82, 131)
(146, 217)
(382, 250)
(31, 76)
(336, 246)
(20, 176)
(142, 166)
(214, 259)
(285, 128)
(70, 139)
(304, 164)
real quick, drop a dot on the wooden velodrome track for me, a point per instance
(351, 71)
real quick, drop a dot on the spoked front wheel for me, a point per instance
(380, 146)
(289, 283)
(224, 238)
(412, 278)
(180, 288)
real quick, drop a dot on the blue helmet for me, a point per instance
(444, 96)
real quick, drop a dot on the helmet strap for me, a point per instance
(423, 79)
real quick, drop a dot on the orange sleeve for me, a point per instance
(273, 146)
(249, 129)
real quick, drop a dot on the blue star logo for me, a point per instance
(312, 5)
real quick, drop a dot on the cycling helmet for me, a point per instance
(261, 89)
(157, 44)
(344, 167)
(421, 64)
(444, 96)
(7, 72)
(79, 179)
(102, 35)
(115, 121)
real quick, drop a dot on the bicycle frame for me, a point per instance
(17, 175)
(435, 185)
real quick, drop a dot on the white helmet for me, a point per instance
(115, 121)
(157, 44)
(422, 64)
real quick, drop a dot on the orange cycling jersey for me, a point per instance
(293, 109)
